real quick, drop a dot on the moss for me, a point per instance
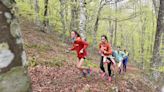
(15, 80)
(4, 46)
(16, 31)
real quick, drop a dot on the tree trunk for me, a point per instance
(62, 16)
(156, 60)
(12, 54)
(36, 7)
(74, 25)
(153, 28)
(142, 43)
(155, 3)
(122, 39)
(111, 31)
(133, 47)
(46, 20)
(142, 33)
(97, 22)
(115, 38)
(83, 18)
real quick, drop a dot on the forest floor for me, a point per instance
(53, 70)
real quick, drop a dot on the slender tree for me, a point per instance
(116, 23)
(101, 5)
(74, 23)
(83, 18)
(36, 8)
(63, 17)
(46, 20)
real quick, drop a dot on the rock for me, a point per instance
(115, 89)
(6, 57)
(162, 90)
(15, 80)
(86, 88)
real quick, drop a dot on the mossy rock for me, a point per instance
(15, 80)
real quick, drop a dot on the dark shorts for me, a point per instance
(125, 61)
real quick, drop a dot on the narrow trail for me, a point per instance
(67, 79)
(55, 70)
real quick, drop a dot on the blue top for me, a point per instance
(119, 55)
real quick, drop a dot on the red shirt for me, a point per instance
(105, 47)
(78, 45)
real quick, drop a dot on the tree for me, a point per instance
(74, 23)
(83, 18)
(12, 54)
(156, 5)
(101, 5)
(46, 20)
(116, 23)
(156, 59)
(36, 8)
(62, 15)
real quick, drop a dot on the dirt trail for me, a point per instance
(56, 71)
(67, 79)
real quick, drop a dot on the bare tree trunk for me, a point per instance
(111, 31)
(142, 43)
(122, 38)
(12, 54)
(142, 40)
(83, 18)
(46, 20)
(36, 7)
(115, 30)
(62, 16)
(156, 59)
(133, 49)
(102, 3)
(74, 25)
(155, 3)
(153, 28)
(30, 3)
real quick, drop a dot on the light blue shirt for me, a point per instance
(119, 55)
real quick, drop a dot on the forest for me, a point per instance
(36, 34)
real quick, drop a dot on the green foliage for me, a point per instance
(32, 62)
(159, 69)
(133, 18)
(26, 9)
(89, 63)
(41, 48)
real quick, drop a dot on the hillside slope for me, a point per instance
(53, 70)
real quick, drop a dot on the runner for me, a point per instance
(125, 60)
(119, 56)
(106, 57)
(80, 47)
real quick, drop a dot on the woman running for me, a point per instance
(80, 46)
(106, 54)
(119, 56)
